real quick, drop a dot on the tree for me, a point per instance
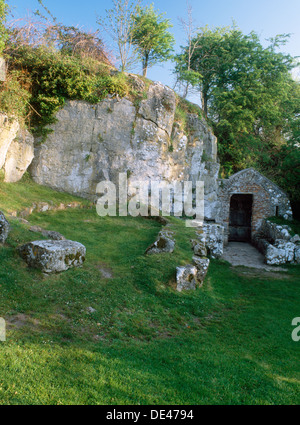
(204, 65)
(3, 30)
(187, 76)
(150, 35)
(248, 93)
(117, 24)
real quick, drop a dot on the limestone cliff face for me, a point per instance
(8, 132)
(16, 149)
(92, 143)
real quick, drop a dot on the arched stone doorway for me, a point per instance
(267, 200)
(240, 217)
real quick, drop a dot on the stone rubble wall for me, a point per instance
(211, 237)
(272, 231)
(277, 244)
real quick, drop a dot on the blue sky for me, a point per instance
(266, 17)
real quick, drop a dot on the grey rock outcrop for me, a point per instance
(8, 132)
(19, 156)
(16, 149)
(53, 256)
(92, 143)
(4, 228)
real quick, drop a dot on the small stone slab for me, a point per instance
(4, 228)
(56, 236)
(164, 243)
(202, 265)
(186, 277)
(53, 256)
(191, 276)
(199, 247)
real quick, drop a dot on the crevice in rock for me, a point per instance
(150, 120)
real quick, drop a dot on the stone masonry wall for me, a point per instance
(268, 199)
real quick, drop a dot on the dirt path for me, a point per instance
(244, 254)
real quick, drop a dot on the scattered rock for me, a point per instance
(53, 256)
(202, 265)
(91, 310)
(56, 236)
(36, 229)
(164, 243)
(186, 277)
(21, 220)
(4, 228)
(137, 83)
(199, 247)
(190, 277)
(274, 256)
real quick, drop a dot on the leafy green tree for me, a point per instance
(3, 30)
(251, 99)
(201, 68)
(150, 35)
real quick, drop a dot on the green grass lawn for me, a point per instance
(228, 342)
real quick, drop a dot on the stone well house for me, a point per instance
(246, 198)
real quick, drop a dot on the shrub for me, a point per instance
(15, 96)
(57, 77)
